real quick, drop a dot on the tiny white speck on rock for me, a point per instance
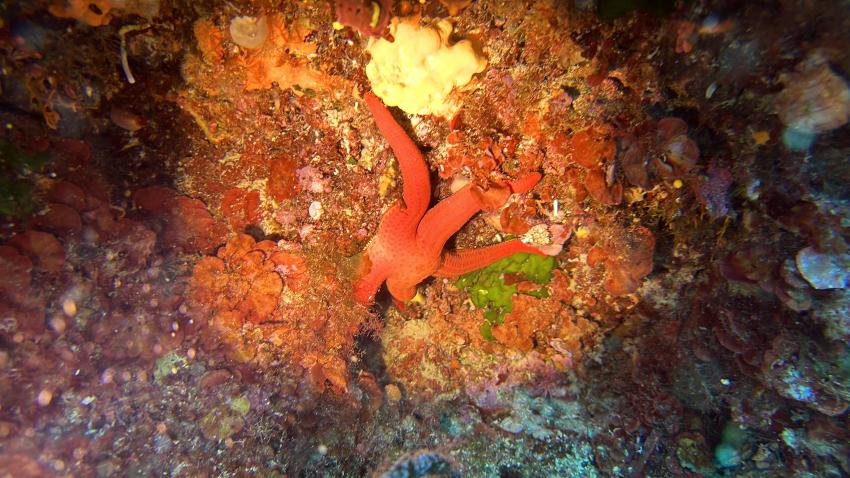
(44, 398)
(315, 210)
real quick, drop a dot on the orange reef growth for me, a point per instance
(262, 297)
(593, 150)
(184, 223)
(627, 260)
(241, 208)
(240, 283)
(91, 12)
(183, 290)
(669, 153)
(278, 56)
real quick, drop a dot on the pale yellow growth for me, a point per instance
(418, 298)
(213, 137)
(387, 180)
(760, 138)
(582, 232)
(419, 69)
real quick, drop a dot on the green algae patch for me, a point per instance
(492, 287)
(17, 168)
(168, 364)
(240, 405)
(221, 423)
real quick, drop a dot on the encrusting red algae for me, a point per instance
(437, 238)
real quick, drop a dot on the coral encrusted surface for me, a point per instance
(424, 238)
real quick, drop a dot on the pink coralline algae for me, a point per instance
(815, 99)
(712, 191)
(823, 270)
(310, 179)
(796, 369)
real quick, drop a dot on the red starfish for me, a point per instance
(409, 245)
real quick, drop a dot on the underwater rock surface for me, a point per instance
(188, 191)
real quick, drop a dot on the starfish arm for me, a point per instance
(525, 183)
(400, 290)
(468, 260)
(416, 190)
(447, 217)
(367, 284)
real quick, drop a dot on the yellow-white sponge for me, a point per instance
(419, 69)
